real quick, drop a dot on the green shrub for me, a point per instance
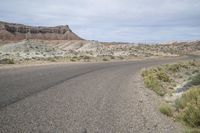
(166, 109)
(86, 58)
(112, 57)
(151, 81)
(193, 63)
(121, 58)
(195, 80)
(104, 59)
(7, 61)
(163, 76)
(176, 67)
(188, 106)
(72, 59)
(193, 130)
(195, 71)
(52, 59)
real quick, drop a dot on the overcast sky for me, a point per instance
(111, 20)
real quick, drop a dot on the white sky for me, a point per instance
(111, 20)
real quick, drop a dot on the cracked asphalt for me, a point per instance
(81, 98)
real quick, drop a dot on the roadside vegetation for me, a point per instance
(166, 109)
(78, 58)
(7, 61)
(155, 78)
(179, 85)
(188, 107)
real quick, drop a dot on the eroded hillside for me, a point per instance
(76, 49)
(13, 31)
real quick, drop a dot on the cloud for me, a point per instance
(111, 20)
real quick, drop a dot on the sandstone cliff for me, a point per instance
(15, 32)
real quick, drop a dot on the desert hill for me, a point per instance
(16, 32)
(78, 49)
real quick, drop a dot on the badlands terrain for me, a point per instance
(82, 50)
(20, 43)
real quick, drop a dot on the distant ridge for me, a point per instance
(15, 32)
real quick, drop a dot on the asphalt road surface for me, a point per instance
(81, 98)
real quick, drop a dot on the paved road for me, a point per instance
(91, 97)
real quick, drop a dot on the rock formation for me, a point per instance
(15, 32)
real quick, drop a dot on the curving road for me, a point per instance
(81, 98)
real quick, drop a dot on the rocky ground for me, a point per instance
(82, 50)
